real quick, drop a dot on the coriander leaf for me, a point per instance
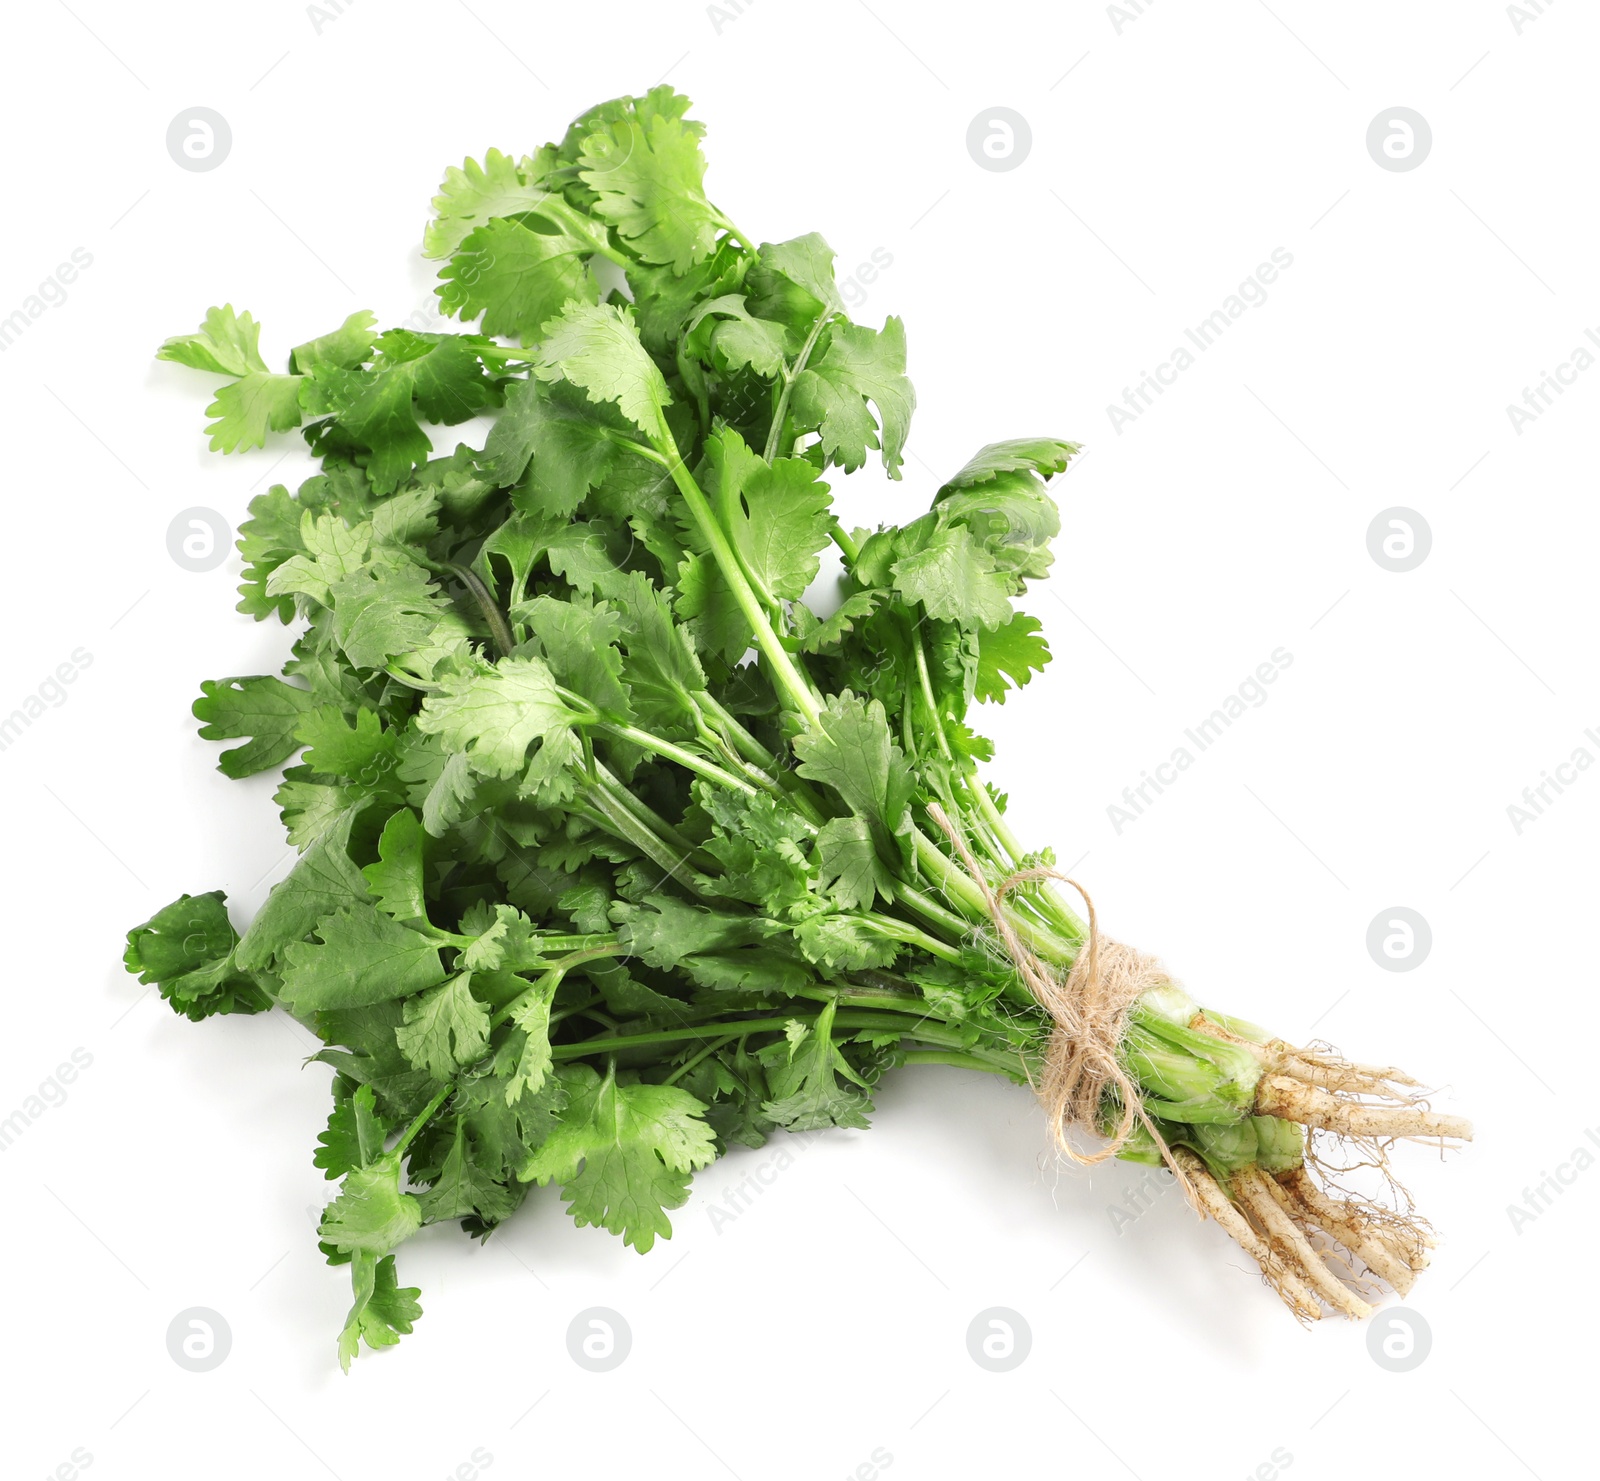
(1011, 516)
(449, 787)
(371, 1213)
(507, 558)
(225, 343)
(806, 1093)
(505, 938)
(710, 610)
(955, 579)
(1043, 455)
(579, 555)
(404, 521)
(530, 1013)
(444, 1028)
(465, 1187)
(623, 1153)
(831, 394)
(555, 436)
(324, 879)
(266, 710)
(647, 174)
(244, 411)
(266, 540)
(754, 969)
(436, 377)
(552, 777)
(662, 930)
(355, 1133)
(364, 752)
(516, 277)
(758, 844)
(579, 640)
(586, 903)
(383, 1309)
(852, 751)
(844, 943)
(777, 514)
(848, 866)
(831, 631)
(362, 957)
(495, 714)
(661, 669)
(396, 878)
(473, 195)
(330, 550)
(308, 808)
(187, 949)
(504, 1132)
(665, 300)
(596, 346)
(807, 262)
(393, 611)
(739, 337)
(662, 101)
(1008, 656)
(346, 347)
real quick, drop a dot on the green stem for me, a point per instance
(1066, 917)
(643, 813)
(781, 414)
(554, 207)
(684, 1068)
(959, 888)
(615, 818)
(551, 980)
(960, 1061)
(746, 744)
(760, 764)
(687, 759)
(794, 684)
(582, 1007)
(925, 680)
(423, 1117)
(483, 599)
(921, 1029)
(904, 931)
(847, 547)
(958, 927)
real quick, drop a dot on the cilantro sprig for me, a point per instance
(615, 849)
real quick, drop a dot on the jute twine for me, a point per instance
(1089, 1009)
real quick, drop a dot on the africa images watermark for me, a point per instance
(722, 16)
(741, 1196)
(1538, 798)
(1551, 1185)
(1539, 399)
(1140, 1198)
(1250, 294)
(50, 294)
(50, 694)
(1523, 16)
(1251, 694)
(50, 1093)
(1123, 16)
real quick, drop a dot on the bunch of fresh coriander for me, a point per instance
(613, 852)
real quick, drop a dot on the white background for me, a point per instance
(828, 1319)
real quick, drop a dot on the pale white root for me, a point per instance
(1310, 1105)
(1336, 1075)
(1347, 1223)
(1325, 1068)
(1212, 1201)
(1255, 1191)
